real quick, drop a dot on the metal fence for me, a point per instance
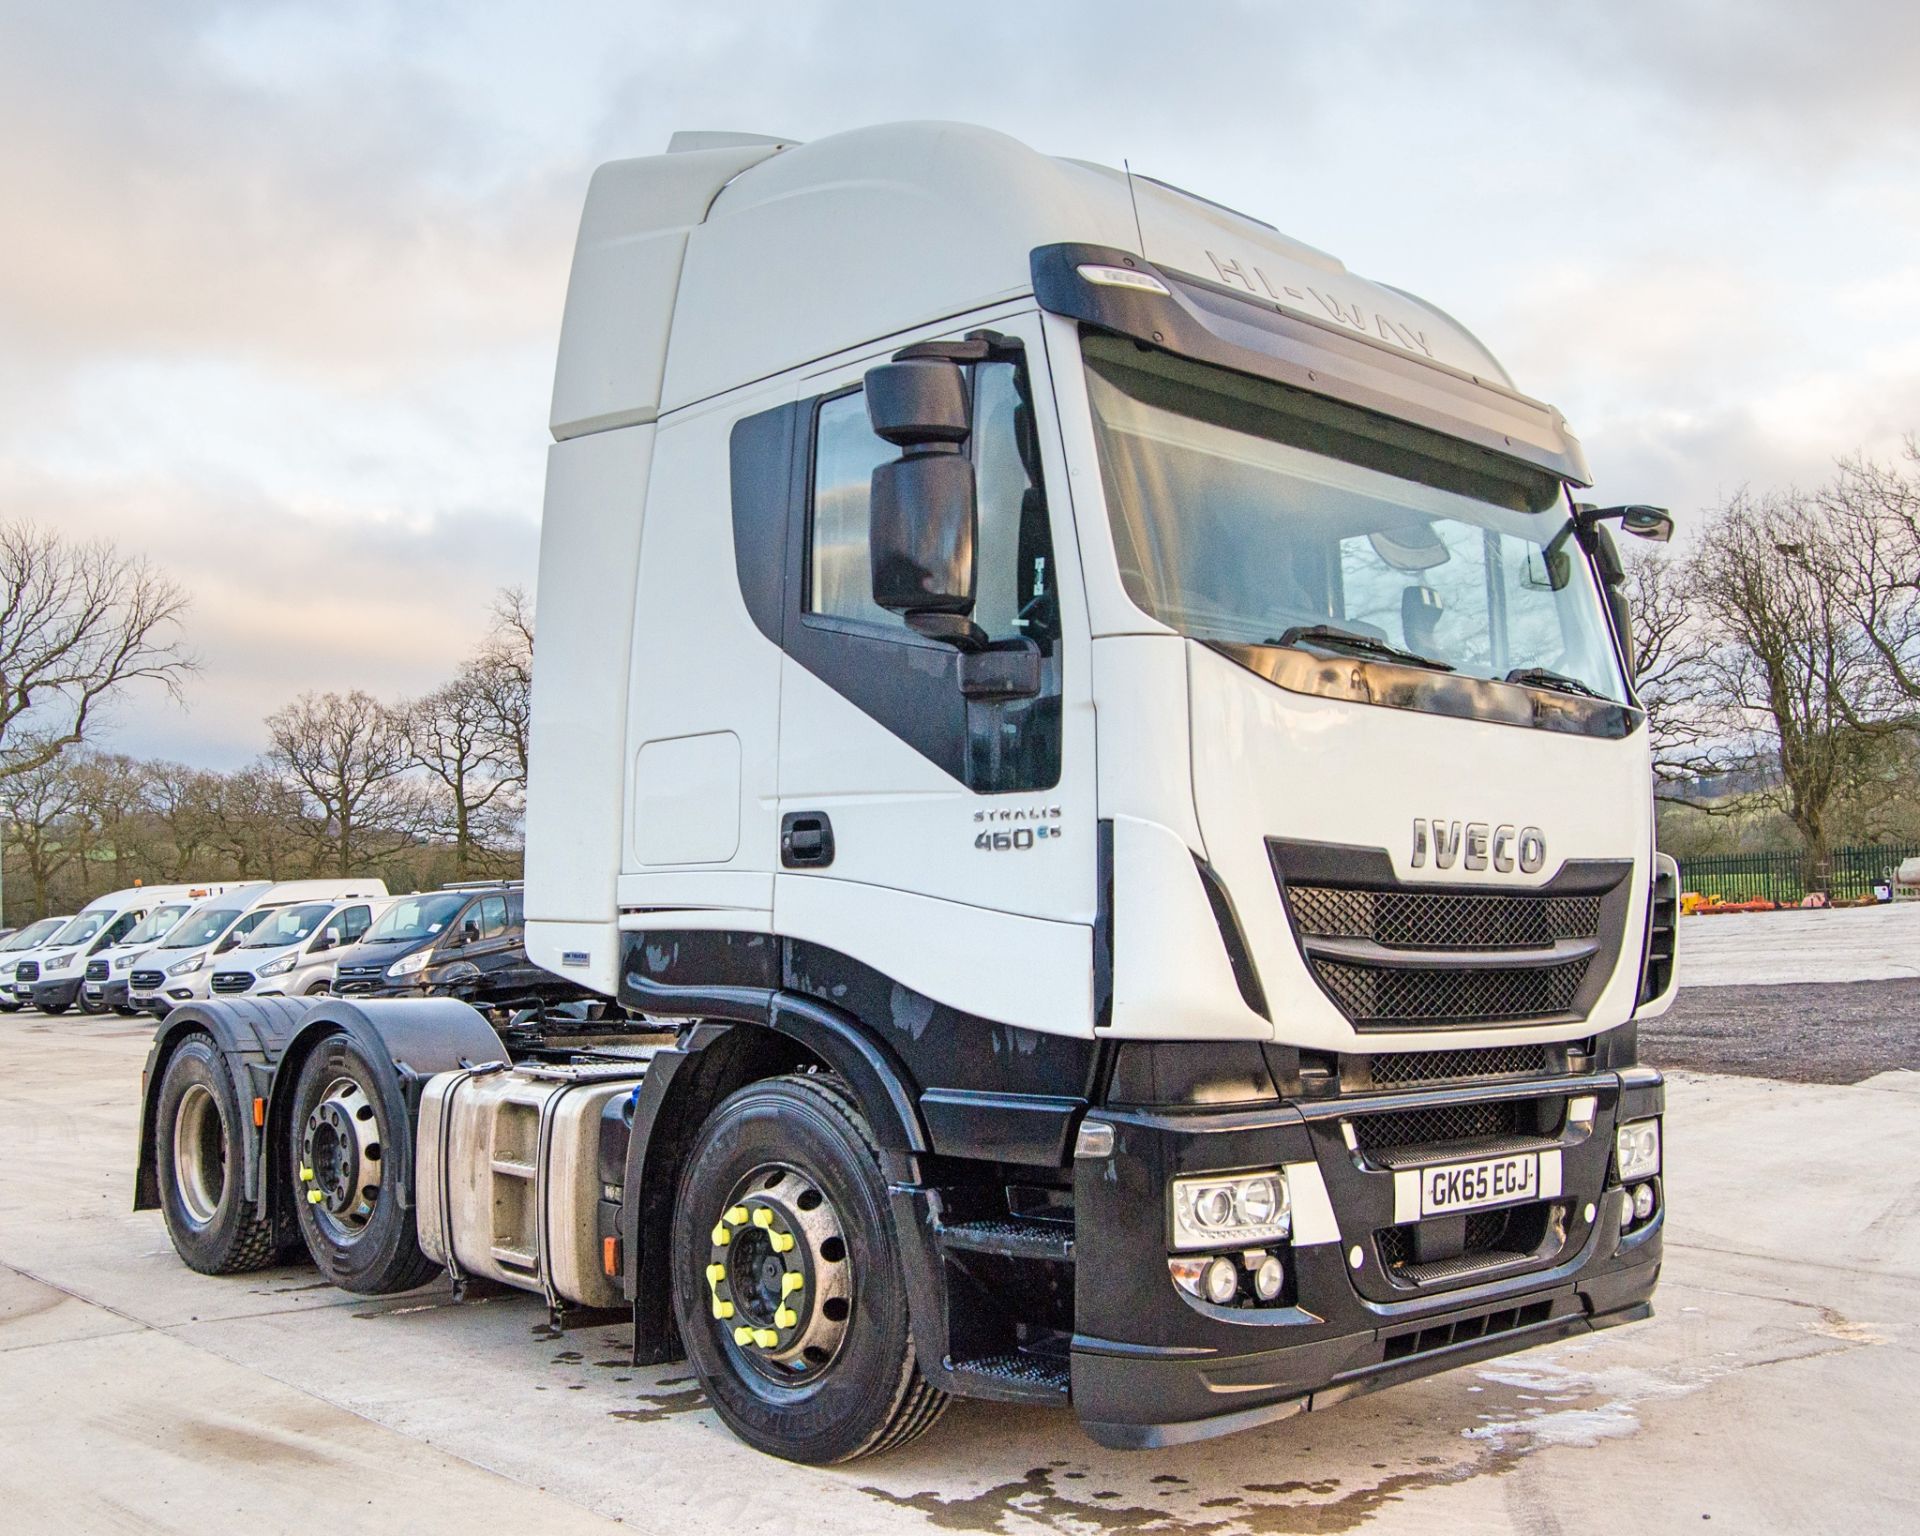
(1851, 873)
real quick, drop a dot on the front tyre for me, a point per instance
(787, 1285)
(198, 1150)
(339, 1143)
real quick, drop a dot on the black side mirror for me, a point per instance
(325, 941)
(1655, 523)
(923, 511)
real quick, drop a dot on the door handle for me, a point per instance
(806, 840)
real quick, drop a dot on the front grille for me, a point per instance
(1421, 995)
(1396, 1068)
(147, 981)
(1454, 1124)
(96, 970)
(1505, 1236)
(1443, 919)
(232, 981)
(27, 970)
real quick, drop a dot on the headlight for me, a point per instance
(1234, 1211)
(187, 966)
(56, 962)
(1636, 1149)
(278, 967)
(123, 962)
(410, 965)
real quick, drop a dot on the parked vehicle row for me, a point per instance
(150, 949)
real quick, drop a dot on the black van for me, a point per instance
(464, 941)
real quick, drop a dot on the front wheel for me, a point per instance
(787, 1284)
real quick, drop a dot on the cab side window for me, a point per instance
(346, 927)
(1014, 557)
(493, 917)
(118, 930)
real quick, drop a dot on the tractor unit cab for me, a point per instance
(1097, 756)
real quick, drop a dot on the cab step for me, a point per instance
(1013, 1377)
(1010, 1237)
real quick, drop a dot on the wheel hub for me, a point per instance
(341, 1155)
(779, 1281)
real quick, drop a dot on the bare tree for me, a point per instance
(1669, 678)
(183, 803)
(81, 624)
(347, 756)
(502, 675)
(1788, 671)
(1873, 511)
(452, 734)
(40, 810)
(259, 824)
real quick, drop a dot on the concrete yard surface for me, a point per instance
(1775, 1389)
(1827, 944)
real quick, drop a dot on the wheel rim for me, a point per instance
(341, 1159)
(780, 1281)
(199, 1154)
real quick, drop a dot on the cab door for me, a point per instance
(941, 834)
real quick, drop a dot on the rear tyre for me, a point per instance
(338, 1144)
(199, 1152)
(787, 1285)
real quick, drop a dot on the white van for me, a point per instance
(22, 945)
(293, 953)
(104, 983)
(180, 970)
(100, 925)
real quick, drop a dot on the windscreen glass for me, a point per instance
(200, 928)
(82, 928)
(1245, 512)
(415, 917)
(155, 924)
(34, 934)
(287, 925)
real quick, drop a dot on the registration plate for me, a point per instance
(1447, 1188)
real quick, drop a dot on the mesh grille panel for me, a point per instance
(96, 970)
(1484, 1120)
(27, 970)
(1443, 920)
(1367, 995)
(1393, 1067)
(147, 981)
(232, 981)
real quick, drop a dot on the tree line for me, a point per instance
(1779, 659)
(418, 791)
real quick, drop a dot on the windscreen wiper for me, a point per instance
(1333, 638)
(1546, 677)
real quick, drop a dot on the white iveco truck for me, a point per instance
(1093, 755)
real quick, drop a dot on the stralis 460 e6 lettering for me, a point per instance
(1093, 756)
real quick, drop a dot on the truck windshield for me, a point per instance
(155, 925)
(1246, 512)
(287, 925)
(200, 928)
(414, 917)
(34, 934)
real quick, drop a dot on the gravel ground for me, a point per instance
(1804, 1032)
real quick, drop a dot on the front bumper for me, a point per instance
(1151, 1366)
(108, 994)
(59, 993)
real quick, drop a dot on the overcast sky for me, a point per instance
(280, 282)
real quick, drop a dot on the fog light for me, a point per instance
(1643, 1202)
(1268, 1277)
(1223, 1282)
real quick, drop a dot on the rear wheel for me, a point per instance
(787, 1284)
(199, 1153)
(339, 1143)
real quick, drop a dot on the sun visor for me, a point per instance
(1195, 318)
